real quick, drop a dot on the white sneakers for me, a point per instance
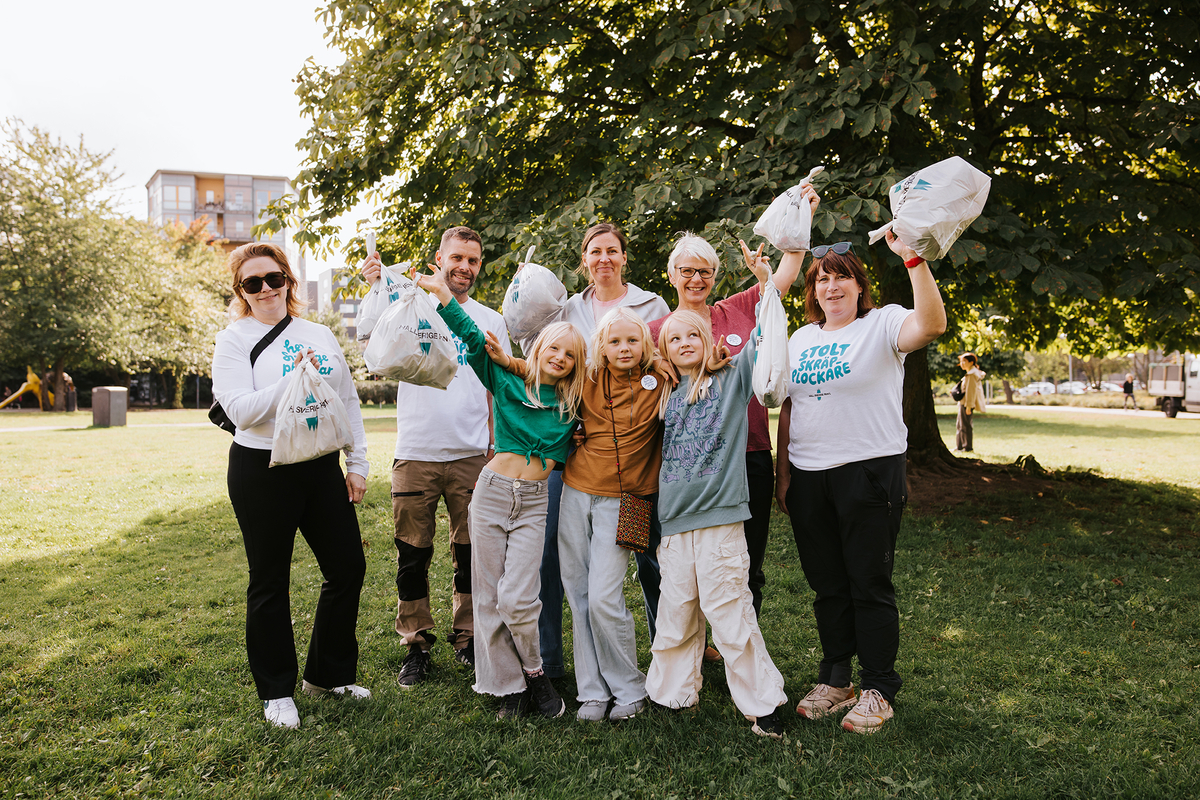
(352, 690)
(869, 714)
(282, 713)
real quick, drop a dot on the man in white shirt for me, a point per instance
(443, 441)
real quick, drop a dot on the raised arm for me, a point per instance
(790, 264)
(929, 321)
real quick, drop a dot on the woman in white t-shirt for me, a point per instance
(843, 481)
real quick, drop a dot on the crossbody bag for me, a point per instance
(216, 414)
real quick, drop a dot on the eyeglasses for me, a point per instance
(841, 248)
(703, 272)
(276, 280)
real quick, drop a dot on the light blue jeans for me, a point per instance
(593, 575)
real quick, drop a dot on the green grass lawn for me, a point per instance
(1049, 652)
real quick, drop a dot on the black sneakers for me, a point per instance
(513, 706)
(770, 725)
(545, 698)
(466, 655)
(415, 667)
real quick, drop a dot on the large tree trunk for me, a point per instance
(925, 445)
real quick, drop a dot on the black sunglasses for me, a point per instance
(841, 248)
(276, 280)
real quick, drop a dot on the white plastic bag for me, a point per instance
(534, 299)
(411, 342)
(770, 377)
(310, 419)
(787, 222)
(385, 292)
(934, 205)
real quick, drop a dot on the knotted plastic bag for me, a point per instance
(310, 420)
(770, 376)
(385, 292)
(933, 206)
(787, 222)
(411, 342)
(534, 299)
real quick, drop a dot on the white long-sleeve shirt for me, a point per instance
(249, 396)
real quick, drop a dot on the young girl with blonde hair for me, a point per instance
(703, 501)
(534, 418)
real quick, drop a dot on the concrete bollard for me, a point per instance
(108, 406)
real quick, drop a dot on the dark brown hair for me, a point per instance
(846, 265)
(970, 357)
(461, 232)
(598, 230)
(295, 307)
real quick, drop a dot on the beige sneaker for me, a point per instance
(825, 699)
(869, 714)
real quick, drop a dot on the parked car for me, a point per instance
(1072, 387)
(1037, 387)
(1106, 386)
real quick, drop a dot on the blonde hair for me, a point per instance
(238, 306)
(600, 338)
(569, 388)
(697, 391)
(689, 245)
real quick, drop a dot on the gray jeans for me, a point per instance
(962, 430)
(508, 521)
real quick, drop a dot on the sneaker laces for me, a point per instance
(870, 702)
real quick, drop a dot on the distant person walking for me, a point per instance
(1127, 388)
(972, 401)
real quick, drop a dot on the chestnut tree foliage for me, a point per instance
(530, 119)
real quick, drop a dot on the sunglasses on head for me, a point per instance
(276, 280)
(841, 248)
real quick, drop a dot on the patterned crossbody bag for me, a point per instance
(633, 518)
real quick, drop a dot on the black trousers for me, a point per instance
(270, 505)
(845, 521)
(760, 477)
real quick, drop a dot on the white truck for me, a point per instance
(1176, 384)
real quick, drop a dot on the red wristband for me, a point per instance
(912, 262)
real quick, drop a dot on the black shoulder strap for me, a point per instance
(266, 340)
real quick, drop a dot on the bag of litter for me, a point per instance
(534, 299)
(385, 292)
(411, 343)
(770, 376)
(934, 205)
(787, 222)
(310, 419)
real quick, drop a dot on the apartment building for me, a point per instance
(231, 204)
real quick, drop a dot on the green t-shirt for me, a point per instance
(520, 426)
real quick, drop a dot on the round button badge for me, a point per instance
(649, 383)
(733, 340)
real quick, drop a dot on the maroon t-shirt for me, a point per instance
(734, 316)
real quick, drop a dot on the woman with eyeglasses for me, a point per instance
(253, 358)
(693, 268)
(843, 481)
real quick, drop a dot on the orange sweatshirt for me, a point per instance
(592, 466)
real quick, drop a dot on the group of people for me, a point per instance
(617, 408)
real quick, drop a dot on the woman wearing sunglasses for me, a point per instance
(693, 268)
(252, 360)
(843, 482)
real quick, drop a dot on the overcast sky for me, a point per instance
(205, 87)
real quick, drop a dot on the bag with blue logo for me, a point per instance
(310, 420)
(770, 375)
(411, 342)
(933, 206)
(787, 222)
(385, 292)
(534, 299)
